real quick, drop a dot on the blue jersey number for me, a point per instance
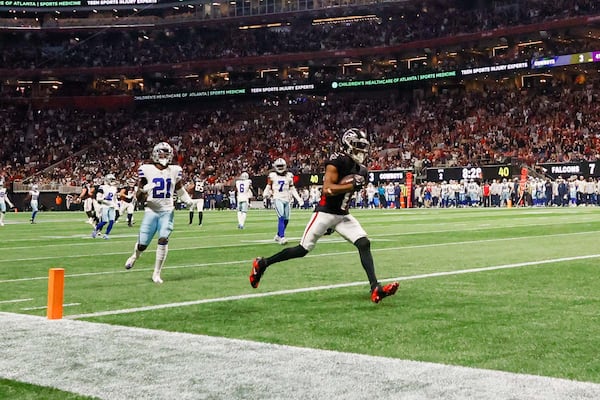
(162, 188)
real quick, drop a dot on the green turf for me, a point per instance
(24, 391)
(538, 318)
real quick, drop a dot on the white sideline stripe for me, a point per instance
(14, 301)
(44, 307)
(327, 287)
(123, 363)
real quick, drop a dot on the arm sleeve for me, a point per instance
(267, 191)
(183, 195)
(295, 194)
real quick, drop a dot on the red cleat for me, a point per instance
(256, 272)
(384, 291)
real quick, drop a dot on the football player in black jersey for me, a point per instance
(198, 197)
(331, 214)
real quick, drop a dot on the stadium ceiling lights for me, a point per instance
(496, 48)
(341, 20)
(273, 25)
(412, 60)
(530, 43)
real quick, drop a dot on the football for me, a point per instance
(356, 179)
(346, 179)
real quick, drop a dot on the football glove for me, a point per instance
(359, 182)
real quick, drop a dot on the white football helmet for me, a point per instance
(110, 179)
(280, 165)
(244, 175)
(355, 144)
(34, 187)
(162, 154)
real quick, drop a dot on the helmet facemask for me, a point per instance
(162, 154)
(280, 165)
(110, 179)
(355, 144)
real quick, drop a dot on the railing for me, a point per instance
(21, 187)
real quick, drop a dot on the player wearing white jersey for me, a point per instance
(4, 200)
(33, 197)
(107, 198)
(315, 196)
(158, 182)
(243, 188)
(280, 187)
(390, 194)
(371, 193)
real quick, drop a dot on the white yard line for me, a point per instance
(236, 262)
(123, 363)
(328, 287)
(14, 301)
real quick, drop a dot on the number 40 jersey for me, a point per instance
(160, 198)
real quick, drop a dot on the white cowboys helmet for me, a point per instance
(109, 179)
(355, 144)
(245, 175)
(280, 165)
(162, 154)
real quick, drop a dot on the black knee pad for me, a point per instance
(363, 243)
(163, 241)
(142, 247)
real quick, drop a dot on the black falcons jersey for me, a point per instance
(129, 193)
(199, 189)
(86, 191)
(339, 204)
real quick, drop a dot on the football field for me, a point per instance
(513, 295)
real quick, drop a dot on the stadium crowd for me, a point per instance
(558, 122)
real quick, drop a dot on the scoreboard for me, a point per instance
(566, 59)
(587, 169)
(484, 173)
